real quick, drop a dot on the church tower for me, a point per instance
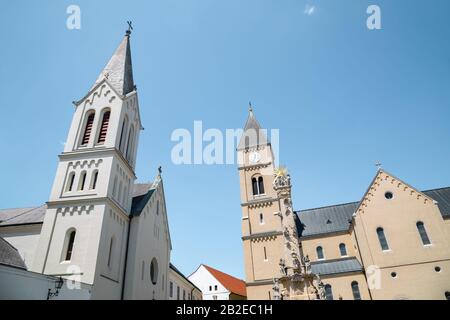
(85, 229)
(261, 226)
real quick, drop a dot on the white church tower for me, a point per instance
(91, 198)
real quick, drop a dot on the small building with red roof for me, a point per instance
(218, 285)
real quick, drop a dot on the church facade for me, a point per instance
(394, 243)
(99, 228)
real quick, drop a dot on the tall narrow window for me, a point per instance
(171, 289)
(355, 290)
(123, 133)
(261, 185)
(382, 238)
(255, 186)
(265, 254)
(343, 250)
(111, 251)
(154, 271)
(319, 251)
(82, 181)
(261, 218)
(104, 127)
(114, 187)
(178, 293)
(328, 292)
(130, 144)
(88, 129)
(94, 180)
(70, 182)
(70, 246)
(423, 233)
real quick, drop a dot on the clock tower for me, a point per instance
(261, 224)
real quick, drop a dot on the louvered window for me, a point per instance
(88, 130)
(104, 127)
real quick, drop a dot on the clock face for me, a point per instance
(255, 157)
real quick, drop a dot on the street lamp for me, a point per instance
(58, 285)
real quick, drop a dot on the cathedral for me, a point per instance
(100, 232)
(394, 243)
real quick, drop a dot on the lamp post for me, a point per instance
(58, 285)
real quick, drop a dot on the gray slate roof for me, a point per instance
(442, 196)
(329, 267)
(142, 193)
(10, 256)
(253, 133)
(119, 69)
(326, 219)
(9, 217)
(318, 221)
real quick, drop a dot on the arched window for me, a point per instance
(70, 181)
(423, 233)
(88, 128)
(154, 271)
(70, 239)
(447, 295)
(104, 127)
(319, 251)
(94, 179)
(261, 185)
(355, 290)
(123, 133)
(257, 185)
(343, 249)
(130, 143)
(82, 182)
(382, 238)
(328, 292)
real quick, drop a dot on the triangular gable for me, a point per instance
(384, 175)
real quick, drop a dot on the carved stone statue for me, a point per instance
(307, 263)
(283, 267)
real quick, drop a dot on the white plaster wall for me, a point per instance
(24, 238)
(191, 293)
(18, 284)
(148, 239)
(87, 221)
(203, 279)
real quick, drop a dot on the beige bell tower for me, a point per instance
(274, 264)
(261, 227)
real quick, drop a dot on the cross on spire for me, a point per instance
(130, 28)
(250, 108)
(378, 165)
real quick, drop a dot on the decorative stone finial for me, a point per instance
(250, 108)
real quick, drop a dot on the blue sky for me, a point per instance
(342, 96)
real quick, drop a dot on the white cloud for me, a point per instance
(309, 10)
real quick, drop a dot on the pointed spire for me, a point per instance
(119, 70)
(253, 134)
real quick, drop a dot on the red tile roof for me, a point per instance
(234, 285)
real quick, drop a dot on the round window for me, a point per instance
(154, 271)
(437, 269)
(394, 274)
(388, 195)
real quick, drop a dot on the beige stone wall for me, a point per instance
(417, 282)
(342, 286)
(406, 254)
(259, 292)
(330, 245)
